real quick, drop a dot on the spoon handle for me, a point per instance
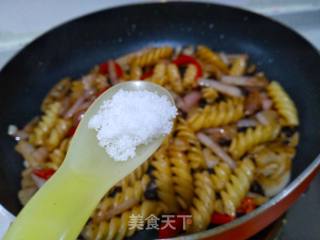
(60, 209)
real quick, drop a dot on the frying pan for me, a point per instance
(73, 48)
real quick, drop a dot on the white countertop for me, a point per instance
(22, 21)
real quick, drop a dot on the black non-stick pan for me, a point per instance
(73, 48)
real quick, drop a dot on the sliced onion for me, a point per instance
(221, 133)
(75, 107)
(209, 158)
(25, 149)
(221, 87)
(40, 154)
(16, 133)
(38, 180)
(243, 81)
(246, 122)
(266, 101)
(191, 100)
(31, 154)
(188, 50)
(112, 73)
(65, 105)
(267, 117)
(127, 204)
(208, 142)
(12, 130)
(224, 58)
(87, 81)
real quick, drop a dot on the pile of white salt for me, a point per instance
(132, 118)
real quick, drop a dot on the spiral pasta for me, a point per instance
(209, 56)
(152, 56)
(226, 143)
(135, 72)
(181, 175)
(221, 175)
(164, 181)
(217, 115)
(237, 187)
(193, 147)
(203, 202)
(58, 154)
(238, 66)
(58, 133)
(77, 90)
(209, 94)
(57, 93)
(245, 141)
(190, 77)
(128, 197)
(283, 104)
(118, 227)
(174, 78)
(47, 122)
(159, 74)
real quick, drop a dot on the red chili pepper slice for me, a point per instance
(172, 230)
(103, 69)
(220, 218)
(183, 59)
(147, 74)
(247, 205)
(71, 131)
(44, 173)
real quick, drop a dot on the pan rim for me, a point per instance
(159, 3)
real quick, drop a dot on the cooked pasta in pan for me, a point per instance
(231, 148)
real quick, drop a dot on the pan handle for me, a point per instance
(5, 219)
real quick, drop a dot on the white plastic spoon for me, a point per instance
(62, 206)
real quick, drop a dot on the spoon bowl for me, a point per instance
(61, 207)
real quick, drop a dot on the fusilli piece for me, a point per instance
(283, 104)
(174, 78)
(194, 150)
(58, 154)
(159, 74)
(245, 141)
(216, 115)
(209, 94)
(47, 122)
(220, 176)
(181, 175)
(164, 181)
(57, 93)
(238, 66)
(118, 227)
(127, 198)
(237, 187)
(58, 133)
(152, 56)
(209, 56)
(190, 77)
(203, 202)
(135, 72)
